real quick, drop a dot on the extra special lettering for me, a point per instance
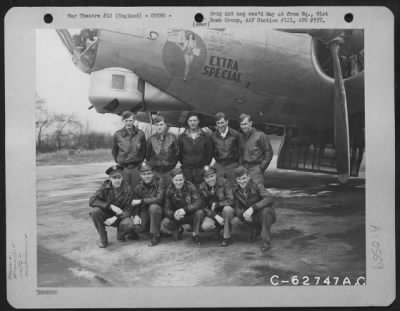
(222, 68)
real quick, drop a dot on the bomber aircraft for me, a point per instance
(307, 84)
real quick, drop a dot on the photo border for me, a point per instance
(16, 99)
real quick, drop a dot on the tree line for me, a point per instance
(56, 131)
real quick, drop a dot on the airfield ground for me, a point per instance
(320, 232)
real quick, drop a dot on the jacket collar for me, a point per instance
(219, 183)
(252, 130)
(229, 132)
(184, 187)
(186, 133)
(151, 185)
(125, 132)
(108, 185)
(162, 135)
(248, 186)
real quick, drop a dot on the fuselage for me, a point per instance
(272, 75)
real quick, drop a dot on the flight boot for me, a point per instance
(179, 233)
(265, 246)
(196, 239)
(155, 240)
(103, 243)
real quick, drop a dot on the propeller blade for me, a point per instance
(341, 123)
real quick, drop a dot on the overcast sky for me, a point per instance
(64, 87)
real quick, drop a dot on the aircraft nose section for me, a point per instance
(82, 46)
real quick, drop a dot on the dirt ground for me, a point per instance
(319, 235)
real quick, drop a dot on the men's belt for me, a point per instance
(226, 162)
(130, 166)
(248, 165)
(162, 169)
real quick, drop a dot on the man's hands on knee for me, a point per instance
(136, 220)
(136, 202)
(248, 213)
(179, 214)
(219, 219)
(116, 209)
(110, 221)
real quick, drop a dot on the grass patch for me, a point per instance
(63, 157)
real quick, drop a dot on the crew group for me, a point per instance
(146, 191)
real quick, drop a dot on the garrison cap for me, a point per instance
(240, 171)
(158, 118)
(176, 171)
(144, 167)
(209, 170)
(115, 169)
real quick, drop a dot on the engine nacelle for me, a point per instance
(114, 90)
(351, 52)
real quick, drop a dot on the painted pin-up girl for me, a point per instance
(190, 50)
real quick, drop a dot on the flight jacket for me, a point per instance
(226, 150)
(253, 195)
(152, 193)
(162, 151)
(195, 153)
(255, 148)
(105, 196)
(129, 147)
(221, 196)
(187, 198)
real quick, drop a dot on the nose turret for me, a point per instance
(82, 46)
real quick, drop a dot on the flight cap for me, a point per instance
(144, 167)
(114, 170)
(176, 171)
(209, 170)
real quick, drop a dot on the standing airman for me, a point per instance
(162, 149)
(129, 148)
(226, 146)
(256, 151)
(195, 150)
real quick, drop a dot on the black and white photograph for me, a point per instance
(226, 153)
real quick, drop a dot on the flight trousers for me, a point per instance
(256, 173)
(261, 220)
(227, 171)
(124, 225)
(210, 224)
(165, 175)
(151, 216)
(131, 176)
(194, 175)
(169, 225)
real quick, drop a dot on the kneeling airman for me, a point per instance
(183, 205)
(253, 207)
(218, 201)
(112, 207)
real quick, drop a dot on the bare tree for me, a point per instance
(42, 119)
(64, 124)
